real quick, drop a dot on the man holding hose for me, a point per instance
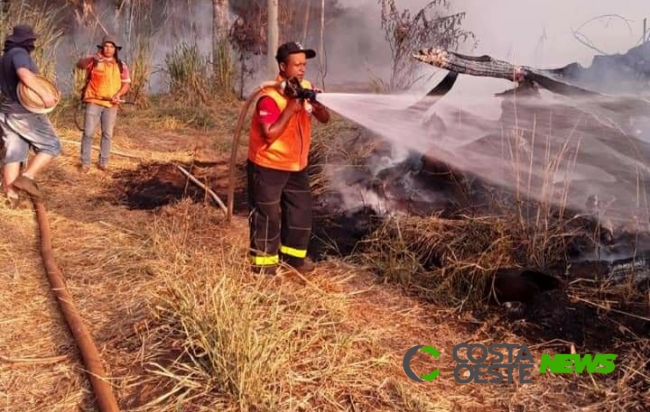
(278, 185)
(106, 82)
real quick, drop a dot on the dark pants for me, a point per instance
(280, 215)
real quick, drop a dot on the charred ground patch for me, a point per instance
(450, 254)
(570, 316)
(338, 233)
(155, 184)
(352, 201)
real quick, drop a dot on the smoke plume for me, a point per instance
(533, 33)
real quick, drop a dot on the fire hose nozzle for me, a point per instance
(292, 88)
(306, 94)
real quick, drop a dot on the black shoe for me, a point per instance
(264, 270)
(302, 266)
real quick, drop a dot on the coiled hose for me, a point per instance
(235, 143)
(91, 358)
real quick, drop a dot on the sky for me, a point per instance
(541, 32)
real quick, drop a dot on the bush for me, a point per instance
(189, 73)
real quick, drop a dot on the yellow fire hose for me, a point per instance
(96, 374)
(235, 143)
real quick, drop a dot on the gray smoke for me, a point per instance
(526, 32)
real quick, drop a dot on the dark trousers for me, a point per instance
(280, 215)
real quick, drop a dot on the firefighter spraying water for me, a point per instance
(279, 143)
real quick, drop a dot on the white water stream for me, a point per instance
(547, 147)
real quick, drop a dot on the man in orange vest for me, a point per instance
(107, 81)
(278, 184)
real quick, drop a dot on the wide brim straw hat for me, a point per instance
(31, 101)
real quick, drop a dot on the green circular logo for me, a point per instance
(407, 363)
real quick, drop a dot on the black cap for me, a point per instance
(21, 33)
(292, 48)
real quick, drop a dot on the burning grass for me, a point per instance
(444, 235)
(331, 145)
(452, 260)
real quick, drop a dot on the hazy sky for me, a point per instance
(541, 32)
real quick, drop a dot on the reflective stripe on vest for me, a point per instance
(290, 151)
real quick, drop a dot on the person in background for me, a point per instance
(21, 128)
(107, 81)
(278, 185)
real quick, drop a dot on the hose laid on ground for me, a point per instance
(235, 142)
(96, 374)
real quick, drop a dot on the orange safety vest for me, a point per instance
(105, 81)
(290, 150)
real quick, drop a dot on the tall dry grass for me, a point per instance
(189, 73)
(45, 21)
(225, 70)
(140, 70)
(190, 86)
(445, 261)
(543, 226)
(223, 339)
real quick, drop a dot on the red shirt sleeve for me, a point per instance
(268, 110)
(90, 65)
(125, 76)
